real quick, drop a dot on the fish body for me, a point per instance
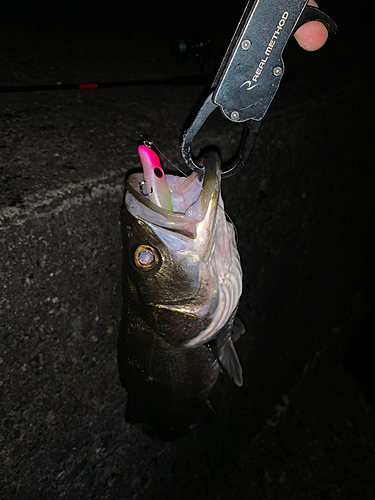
(182, 281)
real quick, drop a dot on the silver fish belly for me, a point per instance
(182, 281)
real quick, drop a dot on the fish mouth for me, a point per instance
(193, 200)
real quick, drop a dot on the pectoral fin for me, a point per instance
(231, 363)
(238, 329)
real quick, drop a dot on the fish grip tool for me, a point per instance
(250, 73)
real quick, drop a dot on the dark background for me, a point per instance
(304, 212)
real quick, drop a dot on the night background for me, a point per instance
(303, 207)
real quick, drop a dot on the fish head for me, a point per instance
(167, 269)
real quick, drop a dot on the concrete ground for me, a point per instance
(304, 211)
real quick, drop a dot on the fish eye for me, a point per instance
(145, 257)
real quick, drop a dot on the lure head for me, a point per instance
(154, 179)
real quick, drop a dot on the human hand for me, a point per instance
(313, 35)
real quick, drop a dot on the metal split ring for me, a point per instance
(141, 184)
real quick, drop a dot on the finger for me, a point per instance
(313, 35)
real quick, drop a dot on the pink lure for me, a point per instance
(156, 186)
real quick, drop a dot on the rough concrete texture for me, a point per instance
(303, 208)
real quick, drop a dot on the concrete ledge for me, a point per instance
(303, 208)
